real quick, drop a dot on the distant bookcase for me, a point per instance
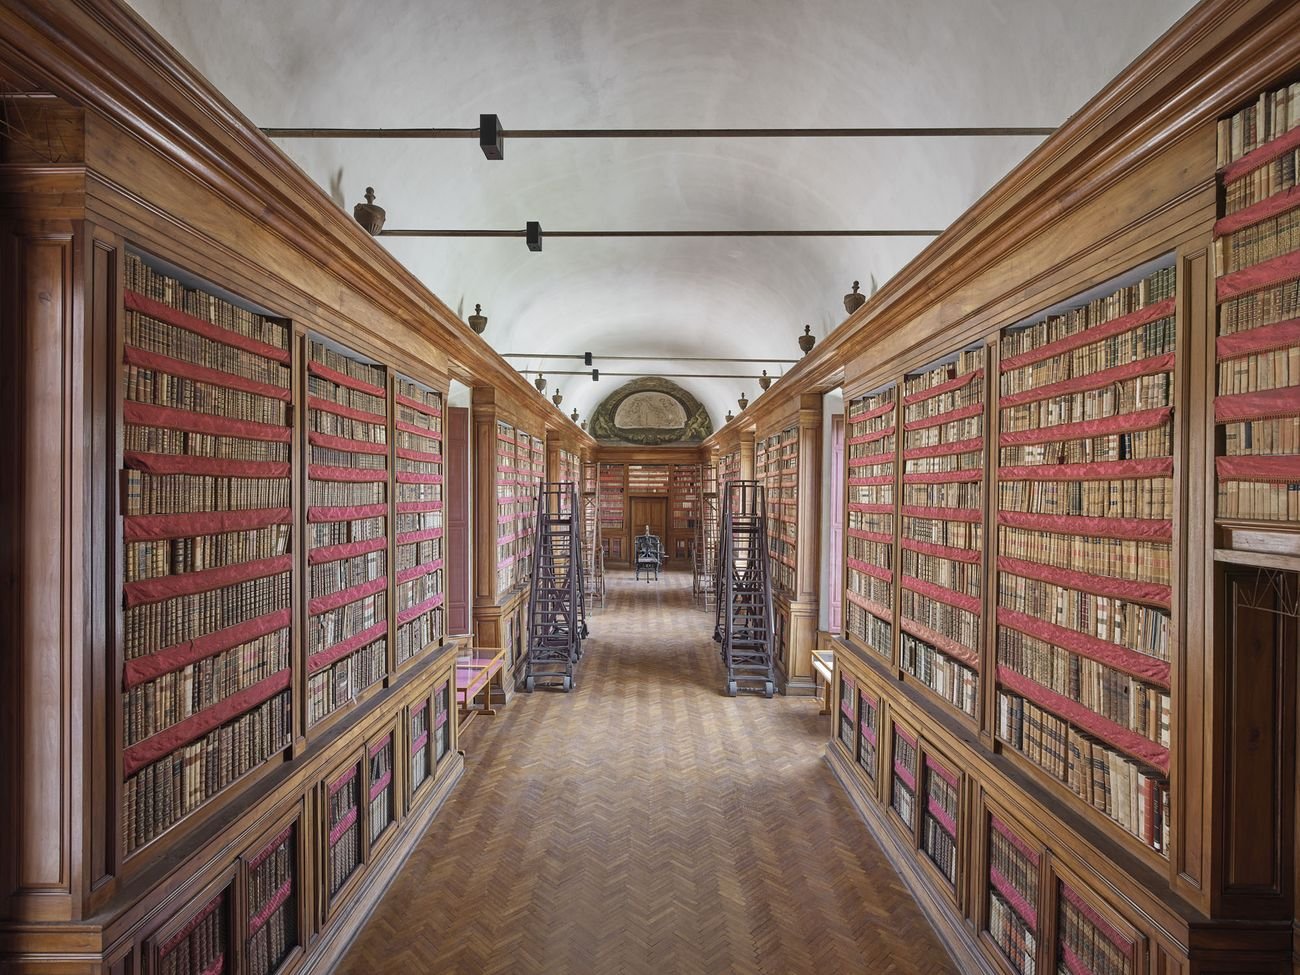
(510, 481)
(206, 529)
(347, 515)
(570, 469)
(942, 530)
(1257, 251)
(611, 504)
(531, 461)
(780, 474)
(1085, 509)
(418, 558)
(728, 469)
(869, 544)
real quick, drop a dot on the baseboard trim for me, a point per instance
(334, 942)
(950, 927)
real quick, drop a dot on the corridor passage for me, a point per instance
(647, 823)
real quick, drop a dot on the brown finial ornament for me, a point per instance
(742, 402)
(478, 321)
(574, 415)
(558, 398)
(807, 340)
(764, 381)
(854, 299)
(540, 383)
(370, 214)
(729, 416)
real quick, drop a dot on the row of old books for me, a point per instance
(161, 793)
(647, 479)
(1141, 342)
(1127, 701)
(160, 440)
(1114, 558)
(345, 850)
(1148, 498)
(1257, 240)
(610, 495)
(201, 947)
(148, 333)
(1131, 793)
(684, 497)
(159, 388)
(382, 810)
(1270, 116)
(509, 484)
(950, 679)
(347, 486)
(939, 820)
(1086, 944)
(846, 720)
(1131, 445)
(272, 905)
(156, 558)
(1152, 289)
(343, 681)
(157, 494)
(571, 469)
(871, 437)
(1013, 899)
(328, 578)
(943, 419)
(148, 628)
(162, 287)
(1125, 623)
(421, 746)
(156, 705)
(419, 464)
(1131, 395)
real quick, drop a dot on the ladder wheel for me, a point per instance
(768, 689)
(568, 684)
(731, 688)
(529, 684)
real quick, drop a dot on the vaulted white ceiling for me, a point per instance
(660, 64)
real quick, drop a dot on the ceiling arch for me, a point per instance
(674, 63)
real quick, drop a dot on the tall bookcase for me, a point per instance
(872, 445)
(418, 558)
(728, 468)
(941, 541)
(348, 518)
(776, 464)
(1084, 513)
(207, 412)
(1257, 348)
(685, 505)
(611, 502)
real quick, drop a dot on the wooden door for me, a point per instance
(652, 512)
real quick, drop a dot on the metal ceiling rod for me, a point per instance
(632, 375)
(642, 358)
(550, 234)
(910, 132)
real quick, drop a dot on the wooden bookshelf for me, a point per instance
(1257, 345)
(1013, 886)
(571, 469)
(942, 527)
(206, 528)
(871, 444)
(272, 880)
(1085, 509)
(349, 527)
(418, 520)
(611, 501)
(776, 464)
(199, 942)
(685, 510)
(728, 468)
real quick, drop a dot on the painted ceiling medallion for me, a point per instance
(650, 412)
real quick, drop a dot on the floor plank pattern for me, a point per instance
(646, 823)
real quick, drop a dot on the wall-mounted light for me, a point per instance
(489, 137)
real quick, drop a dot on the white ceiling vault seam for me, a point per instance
(668, 64)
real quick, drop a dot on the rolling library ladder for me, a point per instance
(557, 622)
(743, 619)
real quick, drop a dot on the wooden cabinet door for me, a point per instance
(652, 512)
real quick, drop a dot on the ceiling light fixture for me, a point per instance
(533, 232)
(595, 375)
(490, 139)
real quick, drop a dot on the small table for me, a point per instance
(823, 662)
(475, 670)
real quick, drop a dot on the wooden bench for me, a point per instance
(476, 670)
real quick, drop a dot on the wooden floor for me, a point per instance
(647, 823)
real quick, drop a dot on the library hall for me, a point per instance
(692, 487)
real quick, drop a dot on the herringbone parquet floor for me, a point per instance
(648, 824)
